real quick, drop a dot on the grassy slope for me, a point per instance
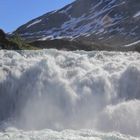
(14, 42)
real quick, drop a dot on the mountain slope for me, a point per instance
(111, 22)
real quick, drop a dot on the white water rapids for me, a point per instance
(55, 95)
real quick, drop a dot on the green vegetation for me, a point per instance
(14, 42)
(21, 43)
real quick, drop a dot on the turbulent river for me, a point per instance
(59, 95)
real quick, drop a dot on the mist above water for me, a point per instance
(70, 90)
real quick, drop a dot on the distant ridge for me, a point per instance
(112, 23)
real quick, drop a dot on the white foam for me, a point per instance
(122, 117)
(59, 90)
(47, 134)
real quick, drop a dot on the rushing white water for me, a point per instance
(61, 90)
(14, 134)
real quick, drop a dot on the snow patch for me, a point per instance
(35, 22)
(66, 10)
(134, 43)
(137, 14)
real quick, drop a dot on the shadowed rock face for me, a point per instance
(2, 35)
(5, 43)
(62, 44)
(2, 38)
(111, 22)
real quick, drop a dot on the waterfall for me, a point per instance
(70, 90)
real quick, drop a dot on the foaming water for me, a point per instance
(70, 90)
(47, 134)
